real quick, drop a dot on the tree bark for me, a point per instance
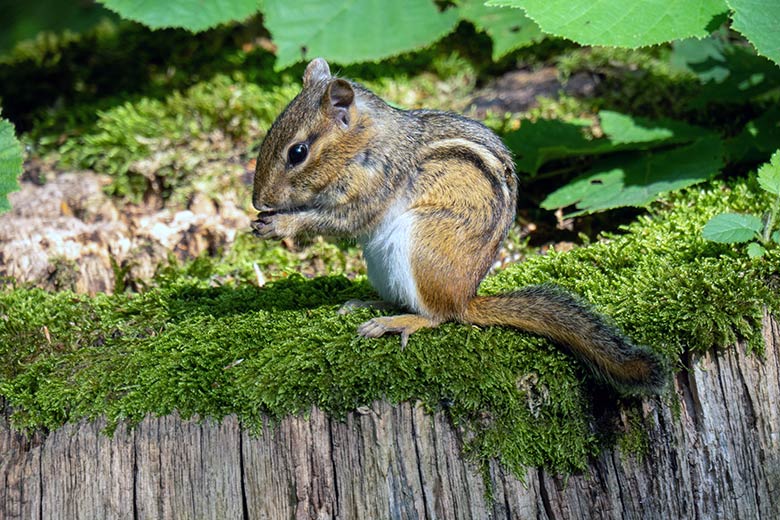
(720, 458)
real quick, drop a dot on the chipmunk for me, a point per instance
(430, 195)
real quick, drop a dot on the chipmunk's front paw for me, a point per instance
(274, 225)
(263, 226)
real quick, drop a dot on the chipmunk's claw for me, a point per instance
(405, 325)
(263, 226)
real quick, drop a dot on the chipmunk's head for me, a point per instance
(310, 142)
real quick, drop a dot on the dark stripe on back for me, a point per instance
(464, 154)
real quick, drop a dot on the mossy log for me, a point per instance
(718, 458)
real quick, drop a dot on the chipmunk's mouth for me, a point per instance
(266, 210)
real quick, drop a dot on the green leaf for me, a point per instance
(755, 250)
(509, 28)
(776, 237)
(625, 129)
(701, 56)
(193, 16)
(637, 178)
(729, 73)
(350, 31)
(620, 23)
(10, 163)
(759, 22)
(757, 140)
(769, 175)
(544, 140)
(25, 20)
(732, 228)
(630, 176)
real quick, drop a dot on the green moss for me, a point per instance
(233, 350)
(634, 439)
(63, 273)
(239, 263)
(282, 348)
(159, 145)
(446, 83)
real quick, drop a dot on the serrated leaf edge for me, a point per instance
(498, 3)
(758, 51)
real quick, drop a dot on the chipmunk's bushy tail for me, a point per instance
(550, 311)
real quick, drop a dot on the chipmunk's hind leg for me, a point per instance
(403, 324)
(448, 280)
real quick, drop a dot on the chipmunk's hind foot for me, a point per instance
(404, 324)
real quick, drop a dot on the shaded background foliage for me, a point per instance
(90, 69)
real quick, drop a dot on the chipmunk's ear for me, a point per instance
(338, 100)
(316, 70)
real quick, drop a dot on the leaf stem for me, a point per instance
(770, 221)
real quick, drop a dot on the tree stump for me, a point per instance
(720, 458)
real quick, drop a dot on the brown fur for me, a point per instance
(456, 180)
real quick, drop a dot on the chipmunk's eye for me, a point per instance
(297, 153)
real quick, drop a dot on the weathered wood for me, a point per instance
(69, 233)
(84, 474)
(720, 458)
(185, 470)
(20, 474)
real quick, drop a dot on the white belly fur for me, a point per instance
(387, 253)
